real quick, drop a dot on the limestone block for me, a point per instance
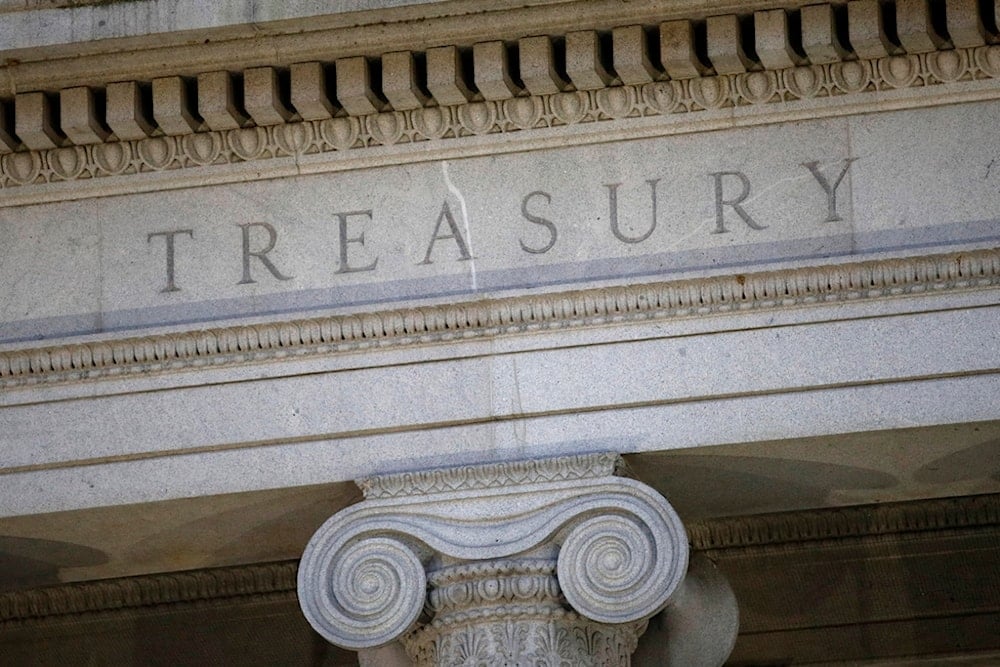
(819, 35)
(913, 25)
(78, 116)
(399, 81)
(125, 114)
(8, 142)
(492, 71)
(445, 77)
(354, 87)
(631, 56)
(583, 61)
(771, 36)
(262, 97)
(538, 69)
(677, 50)
(725, 49)
(965, 26)
(33, 121)
(309, 91)
(866, 30)
(171, 108)
(217, 102)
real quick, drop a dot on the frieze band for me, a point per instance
(320, 336)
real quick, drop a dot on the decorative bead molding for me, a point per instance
(493, 475)
(582, 308)
(622, 552)
(217, 584)
(785, 528)
(581, 96)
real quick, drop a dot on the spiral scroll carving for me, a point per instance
(370, 591)
(506, 547)
(619, 569)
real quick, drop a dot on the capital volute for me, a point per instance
(622, 549)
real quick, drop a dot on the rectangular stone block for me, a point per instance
(866, 30)
(125, 114)
(914, 27)
(171, 108)
(217, 102)
(33, 122)
(446, 79)
(677, 52)
(538, 67)
(484, 226)
(965, 26)
(354, 87)
(492, 71)
(725, 48)
(631, 56)
(583, 61)
(399, 81)
(262, 97)
(78, 114)
(819, 35)
(771, 35)
(309, 96)
(8, 142)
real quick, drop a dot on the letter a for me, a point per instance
(446, 216)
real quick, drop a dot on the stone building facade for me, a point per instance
(499, 333)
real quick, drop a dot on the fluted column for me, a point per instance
(555, 561)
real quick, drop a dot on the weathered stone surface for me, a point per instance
(486, 226)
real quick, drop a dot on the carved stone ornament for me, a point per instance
(549, 562)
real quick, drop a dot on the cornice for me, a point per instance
(662, 301)
(278, 580)
(150, 591)
(807, 527)
(283, 36)
(265, 113)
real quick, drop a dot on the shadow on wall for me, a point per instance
(28, 562)
(980, 461)
(700, 486)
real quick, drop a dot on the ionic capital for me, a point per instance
(566, 546)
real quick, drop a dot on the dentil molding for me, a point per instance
(513, 93)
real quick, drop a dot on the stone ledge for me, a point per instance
(275, 119)
(584, 308)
